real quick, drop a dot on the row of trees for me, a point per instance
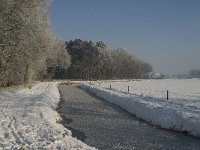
(96, 61)
(27, 46)
(30, 51)
(194, 73)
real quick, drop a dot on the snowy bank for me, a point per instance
(166, 114)
(29, 120)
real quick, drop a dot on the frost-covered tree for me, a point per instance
(26, 41)
(58, 62)
(194, 73)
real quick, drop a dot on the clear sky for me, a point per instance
(165, 33)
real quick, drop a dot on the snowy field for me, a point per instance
(29, 120)
(147, 99)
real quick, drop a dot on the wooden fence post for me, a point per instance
(167, 94)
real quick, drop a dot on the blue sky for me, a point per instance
(165, 33)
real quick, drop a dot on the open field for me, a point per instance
(178, 89)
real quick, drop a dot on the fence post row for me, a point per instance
(129, 90)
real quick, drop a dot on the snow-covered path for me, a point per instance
(28, 120)
(105, 126)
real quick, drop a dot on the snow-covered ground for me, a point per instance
(147, 99)
(29, 120)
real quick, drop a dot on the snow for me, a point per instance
(147, 100)
(29, 120)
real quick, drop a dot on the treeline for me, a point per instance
(95, 61)
(29, 50)
(194, 73)
(27, 45)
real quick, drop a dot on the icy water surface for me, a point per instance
(108, 127)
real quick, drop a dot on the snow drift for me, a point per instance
(29, 120)
(163, 113)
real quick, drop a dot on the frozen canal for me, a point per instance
(106, 126)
